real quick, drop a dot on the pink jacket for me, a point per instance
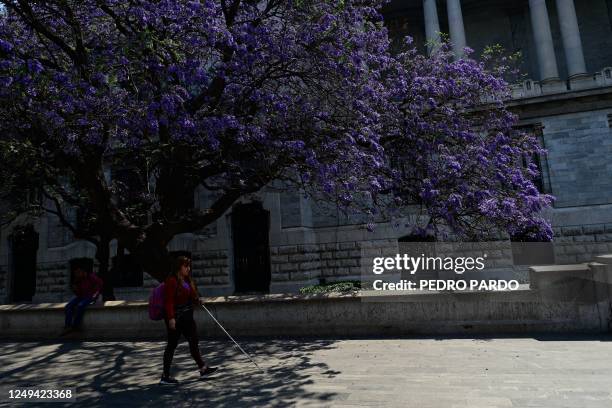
(88, 287)
(180, 296)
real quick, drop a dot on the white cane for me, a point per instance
(232, 339)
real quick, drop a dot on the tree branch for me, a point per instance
(77, 233)
(27, 14)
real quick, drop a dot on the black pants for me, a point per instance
(186, 326)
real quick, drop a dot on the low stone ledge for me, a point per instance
(583, 267)
(541, 277)
(580, 282)
(604, 259)
(521, 311)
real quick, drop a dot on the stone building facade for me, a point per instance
(279, 241)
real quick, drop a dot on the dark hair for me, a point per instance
(85, 264)
(177, 263)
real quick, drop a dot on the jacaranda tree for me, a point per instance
(232, 95)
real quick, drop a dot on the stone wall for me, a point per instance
(582, 243)
(204, 199)
(300, 265)
(291, 210)
(325, 261)
(137, 293)
(211, 268)
(52, 282)
(579, 149)
(57, 234)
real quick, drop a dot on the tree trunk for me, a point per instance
(151, 252)
(103, 255)
(154, 258)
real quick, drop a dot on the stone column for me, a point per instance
(545, 49)
(571, 38)
(456, 28)
(432, 25)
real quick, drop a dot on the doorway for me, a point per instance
(24, 245)
(250, 231)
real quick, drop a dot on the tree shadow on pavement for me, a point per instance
(127, 373)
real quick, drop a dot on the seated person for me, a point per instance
(87, 287)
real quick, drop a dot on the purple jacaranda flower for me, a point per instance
(307, 92)
(5, 46)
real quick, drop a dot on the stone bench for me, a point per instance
(585, 282)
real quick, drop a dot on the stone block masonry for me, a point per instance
(579, 147)
(329, 261)
(52, 281)
(211, 268)
(300, 265)
(581, 243)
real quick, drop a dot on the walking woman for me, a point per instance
(181, 296)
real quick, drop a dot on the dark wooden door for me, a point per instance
(250, 231)
(24, 245)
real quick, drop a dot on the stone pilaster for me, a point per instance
(456, 27)
(432, 25)
(570, 33)
(549, 73)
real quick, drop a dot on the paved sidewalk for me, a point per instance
(438, 372)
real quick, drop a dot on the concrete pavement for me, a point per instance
(419, 372)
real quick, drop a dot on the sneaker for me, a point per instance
(207, 371)
(168, 381)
